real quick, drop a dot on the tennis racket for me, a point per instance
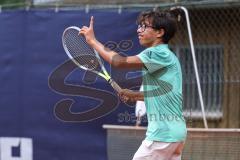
(84, 56)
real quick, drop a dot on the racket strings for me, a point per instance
(81, 52)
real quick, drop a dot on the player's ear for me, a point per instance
(160, 33)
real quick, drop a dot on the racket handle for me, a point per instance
(115, 86)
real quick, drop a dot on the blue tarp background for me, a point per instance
(30, 53)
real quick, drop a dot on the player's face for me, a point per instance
(147, 35)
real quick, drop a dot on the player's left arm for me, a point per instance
(110, 56)
(129, 95)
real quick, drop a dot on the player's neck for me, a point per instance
(157, 43)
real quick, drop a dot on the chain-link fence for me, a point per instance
(216, 39)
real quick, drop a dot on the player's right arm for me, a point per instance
(113, 58)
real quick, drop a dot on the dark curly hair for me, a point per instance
(160, 20)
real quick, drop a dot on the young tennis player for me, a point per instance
(162, 82)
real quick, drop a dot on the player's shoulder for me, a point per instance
(161, 48)
(158, 52)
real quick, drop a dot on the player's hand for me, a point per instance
(127, 95)
(88, 32)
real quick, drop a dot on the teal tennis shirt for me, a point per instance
(162, 83)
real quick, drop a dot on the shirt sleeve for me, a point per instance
(154, 61)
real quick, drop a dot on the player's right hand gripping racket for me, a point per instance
(84, 56)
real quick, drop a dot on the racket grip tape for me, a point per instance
(115, 86)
